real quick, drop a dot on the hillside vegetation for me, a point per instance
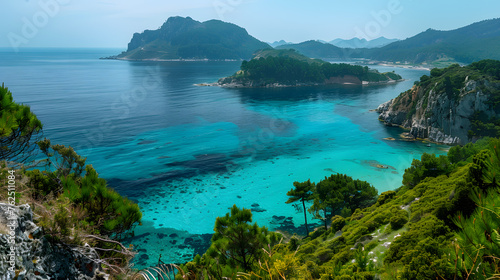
(454, 105)
(442, 223)
(185, 38)
(471, 43)
(289, 68)
(477, 41)
(72, 205)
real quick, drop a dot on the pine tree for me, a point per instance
(19, 129)
(303, 192)
(238, 243)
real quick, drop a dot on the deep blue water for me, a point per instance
(187, 153)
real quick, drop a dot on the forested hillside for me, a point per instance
(442, 223)
(289, 68)
(185, 38)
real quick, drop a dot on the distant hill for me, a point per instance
(279, 43)
(356, 43)
(291, 53)
(471, 43)
(185, 38)
(282, 68)
(316, 49)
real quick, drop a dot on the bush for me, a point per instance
(338, 222)
(324, 255)
(399, 219)
(385, 197)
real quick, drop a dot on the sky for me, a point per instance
(111, 23)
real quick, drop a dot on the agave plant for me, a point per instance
(159, 272)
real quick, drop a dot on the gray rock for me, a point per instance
(31, 256)
(434, 116)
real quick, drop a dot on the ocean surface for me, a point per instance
(187, 153)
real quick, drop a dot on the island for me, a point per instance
(183, 38)
(286, 68)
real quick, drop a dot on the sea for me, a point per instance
(187, 153)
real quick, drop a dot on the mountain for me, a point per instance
(279, 43)
(316, 49)
(185, 38)
(471, 43)
(355, 43)
(279, 68)
(454, 105)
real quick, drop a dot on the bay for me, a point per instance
(187, 153)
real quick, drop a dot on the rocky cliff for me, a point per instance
(26, 254)
(445, 107)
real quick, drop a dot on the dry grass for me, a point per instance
(3, 229)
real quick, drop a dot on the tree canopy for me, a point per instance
(238, 243)
(341, 192)
(302, 192)
(19, 129)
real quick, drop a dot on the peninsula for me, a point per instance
(455, 105)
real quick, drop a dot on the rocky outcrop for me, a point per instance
(433, 114)
(26, 254)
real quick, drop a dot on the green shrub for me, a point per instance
(385, 197)
(338, 222)
(399, 219)
(323, 255)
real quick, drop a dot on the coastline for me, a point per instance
(167, 60)
(278, 85)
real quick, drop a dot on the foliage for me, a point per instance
(339, 192)
(72, 205)
(106, 211)
(238, 247)
(19, 129)
(338, 222)
(467, 44)
(303, 192)
(476, 250)
(485, 168)
(428, 166)
(294, 69)
(186, 38)
(236, 242)
(399, 219)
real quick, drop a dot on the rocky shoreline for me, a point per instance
(229, 82)
(433, 116)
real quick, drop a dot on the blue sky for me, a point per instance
(111, 23)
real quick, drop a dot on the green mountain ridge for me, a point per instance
(185, 38)
(316, 49)
(477, 41)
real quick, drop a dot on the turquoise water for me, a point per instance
(187, 153)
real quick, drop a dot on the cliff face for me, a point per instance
(26, 254)
(430, 112)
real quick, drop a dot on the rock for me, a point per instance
(430, 113)
(34, 257)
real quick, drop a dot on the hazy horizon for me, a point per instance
(104, 24)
